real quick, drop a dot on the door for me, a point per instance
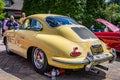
(11, 39)
(25, 37)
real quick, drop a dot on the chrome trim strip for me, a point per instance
(102, 58)
(83, 62)
(99, 60)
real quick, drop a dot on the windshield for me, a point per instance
(84, 33)
(55, 21)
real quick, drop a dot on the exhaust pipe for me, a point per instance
(91, 68)
(94, 70)
(102, 67)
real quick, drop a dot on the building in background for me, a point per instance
(13, 7)
(8, 3)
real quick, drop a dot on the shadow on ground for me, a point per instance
(23, 69)
(118, 56)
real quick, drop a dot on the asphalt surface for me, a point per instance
(14, 67)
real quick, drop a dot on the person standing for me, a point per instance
(106, 29)
(4, 24)
(12, 24)
(22, 18)
(92, 28)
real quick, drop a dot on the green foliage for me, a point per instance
(2, 16)
(111, 12)
(115, 1)
(74, 8)
(94, 9)
(99, 9)
(86, 11)
(2, 4)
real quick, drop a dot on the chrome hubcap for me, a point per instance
(38, 58)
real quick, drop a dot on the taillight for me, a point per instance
(75, 52)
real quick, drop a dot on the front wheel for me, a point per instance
(7, 48)
(39, 61)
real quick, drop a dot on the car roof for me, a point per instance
(42, 16)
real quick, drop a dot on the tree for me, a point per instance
(86, 11)
(115, 1)
(94, 9)
(112, 13)
(74, 8)
(2, 5)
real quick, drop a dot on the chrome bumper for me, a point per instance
(89, 59)
(113, 52)
(103, 57)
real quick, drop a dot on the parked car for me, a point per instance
(110, 37)
(58, 41)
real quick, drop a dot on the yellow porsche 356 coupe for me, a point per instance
(58, 41)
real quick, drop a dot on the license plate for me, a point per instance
(96, 49)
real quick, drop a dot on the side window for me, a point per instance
(51, 21)
(35, 24)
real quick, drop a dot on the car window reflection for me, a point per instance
(55, 21)
(32, 24)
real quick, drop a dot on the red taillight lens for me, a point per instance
(75, 52)
(75, 48)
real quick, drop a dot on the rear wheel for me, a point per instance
(39, 61)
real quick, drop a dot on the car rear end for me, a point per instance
(88, 51)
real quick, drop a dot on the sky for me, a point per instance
(107, 0)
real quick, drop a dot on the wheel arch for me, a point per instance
(29, 57)
(29, 52)
(4, 40)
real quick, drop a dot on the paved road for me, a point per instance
(17, 68)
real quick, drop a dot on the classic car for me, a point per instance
(110, 37)
(58, 41)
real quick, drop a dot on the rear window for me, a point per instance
(55, 21)
(84, 33)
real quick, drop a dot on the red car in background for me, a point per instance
(111, 38)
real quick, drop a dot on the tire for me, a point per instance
(39, 61)
(7, 48)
